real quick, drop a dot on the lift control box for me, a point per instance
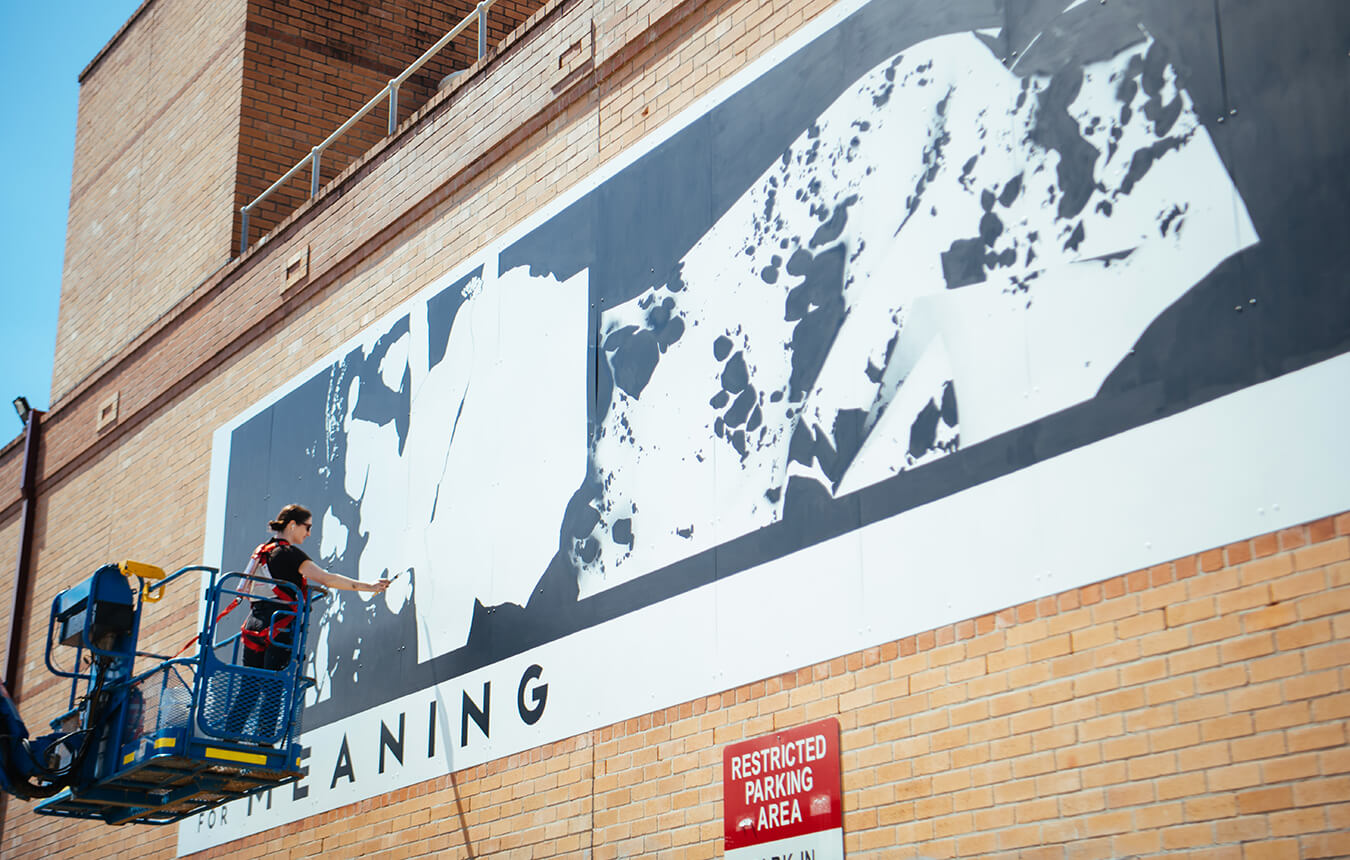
(102, 608)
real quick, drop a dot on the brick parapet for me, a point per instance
(112, 43)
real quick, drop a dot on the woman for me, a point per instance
(267, 632)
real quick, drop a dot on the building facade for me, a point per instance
(971, 374)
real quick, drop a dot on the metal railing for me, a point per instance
(390, 92)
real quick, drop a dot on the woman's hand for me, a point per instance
(314, 573)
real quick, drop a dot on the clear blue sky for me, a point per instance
(43, 48)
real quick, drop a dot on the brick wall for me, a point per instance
(1194, 709)
(1198, 705)
(153, 178)
(172, 139)
(9, 553)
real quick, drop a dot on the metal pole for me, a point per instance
(243, 229)
(393, 104)
(314, 171)
(482, 29)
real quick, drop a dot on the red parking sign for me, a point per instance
(782, 795)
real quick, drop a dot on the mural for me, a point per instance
(919, 248)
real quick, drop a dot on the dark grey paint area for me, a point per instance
(378, 403)
(1284, 303)
(923, 433)
(271, 465)
(1286, 75)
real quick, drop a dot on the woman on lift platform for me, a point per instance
(268, 641)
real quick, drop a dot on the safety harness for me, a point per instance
(258, 640)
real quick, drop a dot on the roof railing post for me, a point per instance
(482, 28)
(314, 171)
(243, 229)
(393, 104)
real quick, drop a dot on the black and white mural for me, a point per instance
(938, 308)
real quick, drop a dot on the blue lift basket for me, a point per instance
(182, 736)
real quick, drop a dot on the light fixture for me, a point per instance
(22, 409)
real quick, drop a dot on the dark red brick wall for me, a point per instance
(309, 66)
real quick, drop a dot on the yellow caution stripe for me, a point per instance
(165, 742)
(235, 755)
(129, 757)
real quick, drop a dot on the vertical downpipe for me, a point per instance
(28, 493)
(18, 612)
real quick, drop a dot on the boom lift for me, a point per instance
(175, 739)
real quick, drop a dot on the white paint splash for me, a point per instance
(495, 447)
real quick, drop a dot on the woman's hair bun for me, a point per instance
(290, 514)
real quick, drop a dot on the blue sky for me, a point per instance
(43, 49)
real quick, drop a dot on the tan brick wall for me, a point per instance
(9, 554)
(144, 502)
(153, 178)
(172, 139)
(1197, 708)
(1088, 723)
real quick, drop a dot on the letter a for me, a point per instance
(344, 765)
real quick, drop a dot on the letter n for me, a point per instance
(470, 710)
(388, 742)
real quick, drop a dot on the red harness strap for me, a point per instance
(258, 640)
(195, 639)
(254, 640)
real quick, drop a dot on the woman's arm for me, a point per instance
(312, 572)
